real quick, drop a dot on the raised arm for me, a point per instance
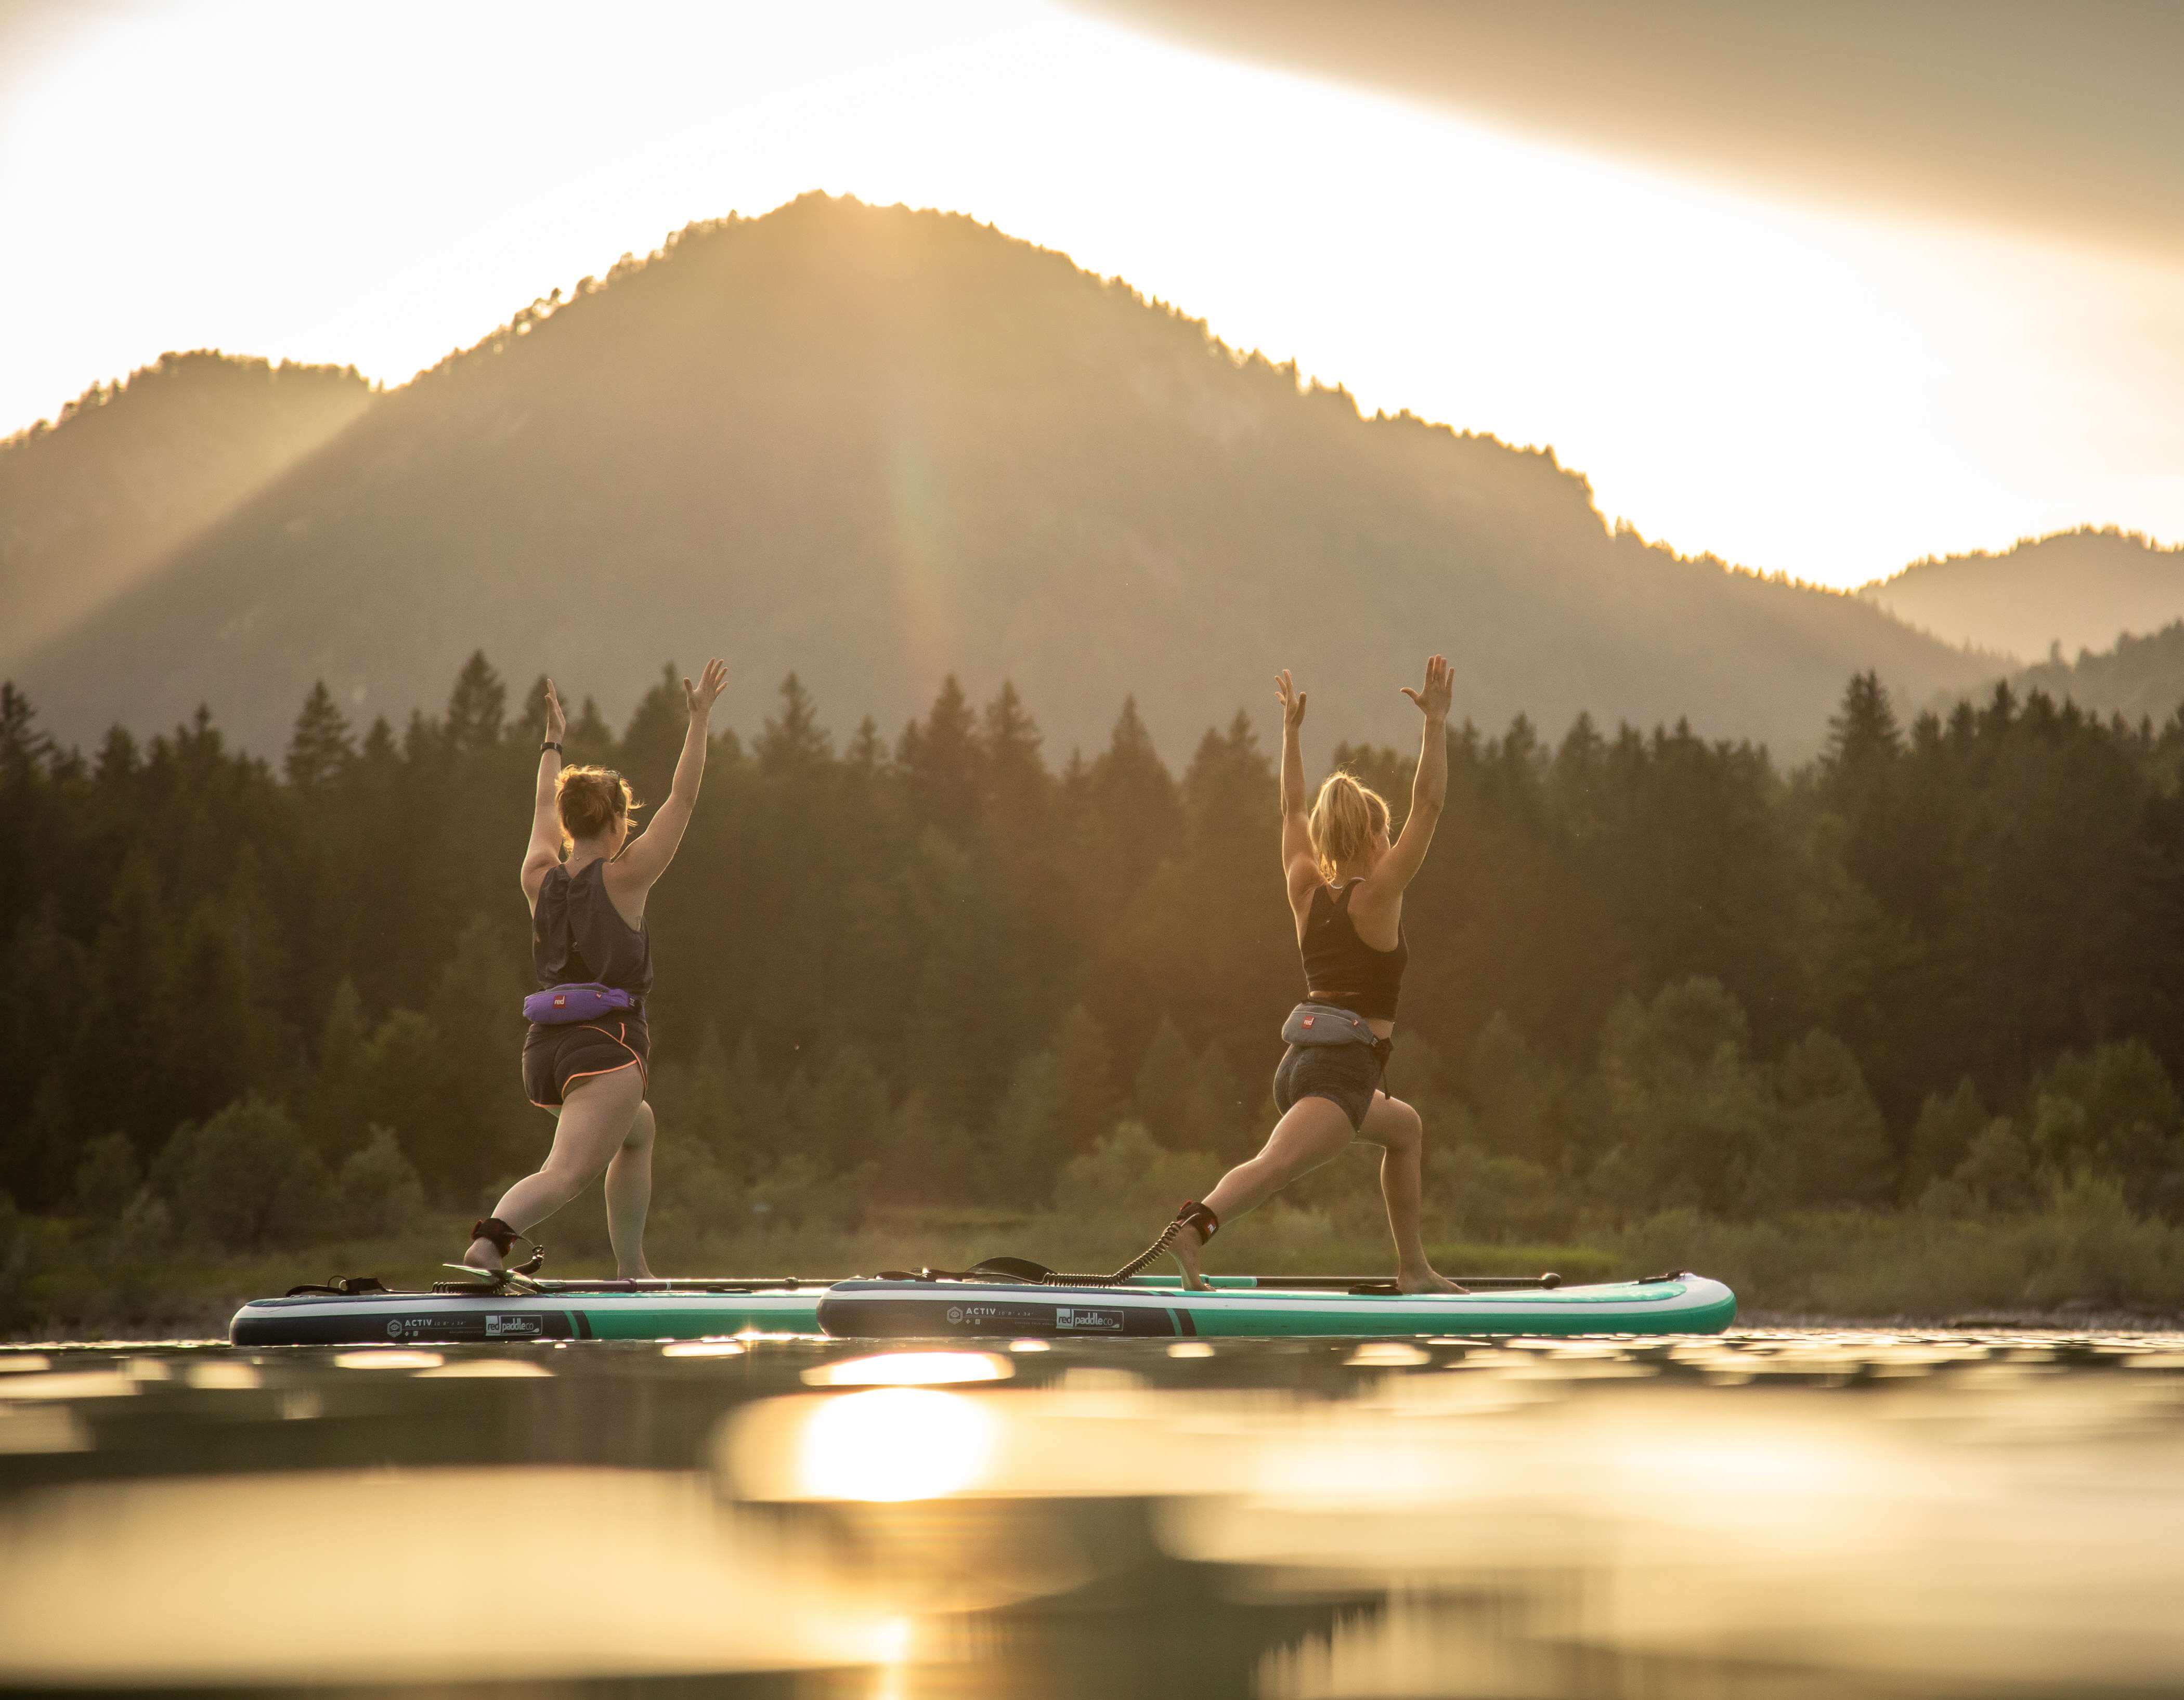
(646, 856)
(1429, 786)
(543, 853)
(1299, 867)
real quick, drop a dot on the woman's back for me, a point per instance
(577, 935)
(1340, 965)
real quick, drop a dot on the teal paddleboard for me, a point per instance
(543, 1310)
(1240, 1307)
(1260, 1308)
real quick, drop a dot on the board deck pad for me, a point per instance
(921, 1309)
(897, 1310)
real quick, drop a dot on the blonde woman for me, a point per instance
(1346, 889)
(585, 1056)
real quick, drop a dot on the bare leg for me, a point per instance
(629, 1194)
(1313, 1131)
(1397, 1130)
(591, 1125)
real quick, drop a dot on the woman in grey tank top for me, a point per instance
(588, 926)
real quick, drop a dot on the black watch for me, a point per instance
(550, 745)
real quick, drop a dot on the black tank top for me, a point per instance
(578, 935)
(1340, 967)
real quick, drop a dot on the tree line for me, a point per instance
(1937, 968)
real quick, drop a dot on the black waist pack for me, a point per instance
(1323, 1024)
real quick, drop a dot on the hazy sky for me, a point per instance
(1801, 357)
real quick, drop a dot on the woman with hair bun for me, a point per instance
(585, 878)
(1346, 888)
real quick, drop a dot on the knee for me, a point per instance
(642, 1126)
(1406, 1128)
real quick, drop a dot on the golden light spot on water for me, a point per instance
(148, 1369)
(23, 1363)
(1190, 1348)
(385, 1358)
(69, 1384)
(704, 1348)
(487, 1369)
(674, 1584)
(1387, 1355)
(217, 1377)
(1029, 1345)
(911, 1369)
(28, 1431)
(895, 1443)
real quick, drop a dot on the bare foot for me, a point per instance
(642, 1272)
(1185, 1248)
(1425, 1281)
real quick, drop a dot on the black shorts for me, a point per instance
(1349, 1074)
(555, 1058)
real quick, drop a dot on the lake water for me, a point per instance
(1763, 1514)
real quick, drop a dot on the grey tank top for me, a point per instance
(578, 935)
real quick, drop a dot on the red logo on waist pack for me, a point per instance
(1309, 1020)
(561, 1001)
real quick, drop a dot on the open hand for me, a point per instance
(557, 723)
(1433, 701)
(701, 697)
(1292, 700)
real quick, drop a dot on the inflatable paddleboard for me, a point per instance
(538, 1310)
(1240, 1307)
(1260, 1308)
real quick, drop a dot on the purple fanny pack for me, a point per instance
(584, 1001)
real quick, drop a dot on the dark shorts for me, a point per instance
(1347, 1074)
(557, 1057)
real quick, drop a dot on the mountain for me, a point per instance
(2140, 678)
(131, 470)
(876, 446)
(2078, 590)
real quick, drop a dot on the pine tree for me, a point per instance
(320, 746)
(1864, 736)
(1087, 1061)
(23, 748)
(333, 1114)
(476, 707)
(944, 763)
(793, 740)
(652, 742)
(867, 753)
(1160, 1095)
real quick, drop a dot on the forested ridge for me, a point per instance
(91, 502)
(2066, 593)
(1938, 969)
(879, 447)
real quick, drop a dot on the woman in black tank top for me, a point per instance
(1346, 888)
(587, 928)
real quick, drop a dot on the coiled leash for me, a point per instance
(1191, 1214)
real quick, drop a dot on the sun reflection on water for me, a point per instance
(895, 1443)
(1847, 1515)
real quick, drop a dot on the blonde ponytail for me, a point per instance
(590, 800)
(1345, 817)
